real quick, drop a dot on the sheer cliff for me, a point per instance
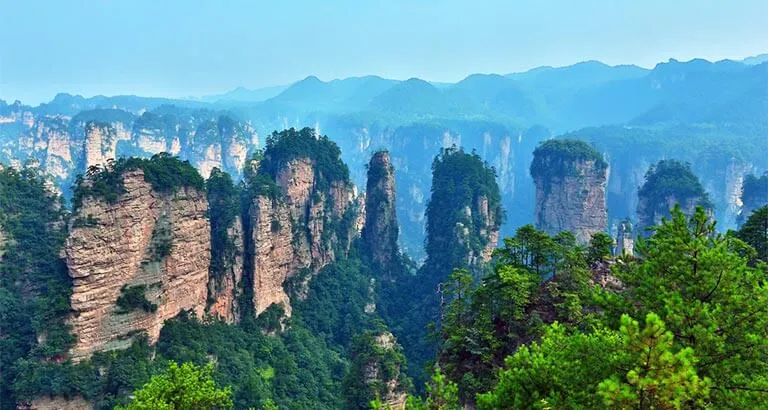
(136, 260)
(668, 183)
(570, 178)
(380, 231)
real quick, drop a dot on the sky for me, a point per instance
(179, 48)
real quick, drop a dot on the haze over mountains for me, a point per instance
(708, 113)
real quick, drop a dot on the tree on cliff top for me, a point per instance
(287, 145)
(557, 157)
(163, 171)
(459, 181)
(672, 178)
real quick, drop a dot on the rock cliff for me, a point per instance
(135, 263)
(754, 195)
(463, 214)
(302, 216)
(668, 183)
(625, 243)
(570, 178)
(380, 231)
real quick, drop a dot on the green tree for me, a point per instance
(755, 232)
(182, 387)
(600, 246)
(660, 378)
(710, 299)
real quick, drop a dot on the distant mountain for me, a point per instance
(413, 97)
(312, 94)
(242, 94)
(576, 76)
(755, 60)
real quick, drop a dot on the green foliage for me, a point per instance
(482, 325)
(134, 298)
(442, 394)
(34, 285)
(600, 247)
(560, 371)
(164, 172)
(374, 366)
(181, 387)
(671, 179)
(660, 377)
(558, 158)
(459, 180)
(755, 232)
(223, 208)
(709, 297)
(285, 146)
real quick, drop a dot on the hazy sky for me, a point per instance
(186, 47)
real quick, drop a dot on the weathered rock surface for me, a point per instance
(274, 256)
(57, 403)
(394, 394)
(625, 244)
(572, 202)
(223, 292)
(118, 247)
(380, 231)
(299, 230)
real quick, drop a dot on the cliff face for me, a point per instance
(668, 183)
(625, 244)
(66, 146)
(300, 229)
(570, 189)
(153, 246)
(223, 292)
(463, 215)
(393, 394)
(754, 195)
(380, 230)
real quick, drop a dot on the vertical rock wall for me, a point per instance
(113, 247)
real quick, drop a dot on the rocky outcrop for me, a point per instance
(392, 394)
(754, 195)
(380, 231)
(274, 255)
(570, 178)
(100, 143)
(152, 246)
(625, 244)
(463, 215)
(57, 403)
(224, 290)
(667, 184)
(296, 231)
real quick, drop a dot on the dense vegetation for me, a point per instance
(670, 179)
(34, 285)
(164, 172)
(704, 347)
(560, 158)
(285, 146)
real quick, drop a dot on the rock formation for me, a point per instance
(303, 221)
(224, 287)
(754, 195)
(380, 230)
(147, 246)
(56, 403)
(463, 215)
(625, 244)
(376, 371)
(668, 183)
(570, 178)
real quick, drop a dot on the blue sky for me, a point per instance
(180, 48)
